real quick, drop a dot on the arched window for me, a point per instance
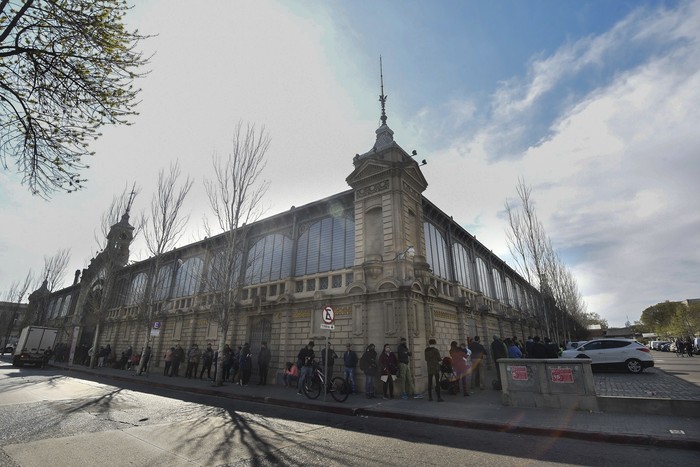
(510, 290)
(188, 277)
(136, 289)
(462, 265)
(224, 267)
(269, 259)
(162, 286)
(436, 251)
(66, 305)
(483, 275)
(327, 245)
(498, 283)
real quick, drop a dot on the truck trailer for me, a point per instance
(34, 346)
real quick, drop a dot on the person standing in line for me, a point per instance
(389, 365)
(245, 364)
(145, 359)
(168, 359)
(408, 388)
(513, 349)
(350, 362)
(207, 360)
(433, 359)
(551, 348)
(528, 347)
(478, 354)
(368, 365)
(264, 357)
(178, 357)
(459, 365)
(498, 351)
(226, 356)
(305, 360)
(193, 356)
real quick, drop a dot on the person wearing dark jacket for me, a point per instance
(350, 362)
(305, 360)
(207, 360)
(264, 357)
(498, 351)
(538, 348)
(408, 388)
(368, 365)
(245, 363)
(389, 366)
(551, 349)
(178, 357)
(433, 359)
(478, 370)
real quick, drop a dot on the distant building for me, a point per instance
(388, 262)
(12, 316)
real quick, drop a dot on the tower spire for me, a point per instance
(382, 97)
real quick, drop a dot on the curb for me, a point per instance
(616, 438)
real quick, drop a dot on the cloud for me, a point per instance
(614, 163)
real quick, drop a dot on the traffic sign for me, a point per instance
(328, 326)
(328, 315)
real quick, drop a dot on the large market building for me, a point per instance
(388, 261)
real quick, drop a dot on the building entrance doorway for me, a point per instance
(260, 331)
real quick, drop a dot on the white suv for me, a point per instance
(611, 353)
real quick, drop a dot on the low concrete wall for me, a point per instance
(553, 383)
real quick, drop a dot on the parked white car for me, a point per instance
(613, 353)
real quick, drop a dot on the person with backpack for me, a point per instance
(368, 365)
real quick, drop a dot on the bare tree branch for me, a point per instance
(235, 197)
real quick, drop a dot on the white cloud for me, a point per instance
(616, 174)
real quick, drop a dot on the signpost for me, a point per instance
(327, 315)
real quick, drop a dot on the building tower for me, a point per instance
(389, 245)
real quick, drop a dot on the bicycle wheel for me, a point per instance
(340, 389)
(312, 387)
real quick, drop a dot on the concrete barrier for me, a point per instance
(552, 383)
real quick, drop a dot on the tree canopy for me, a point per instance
(672, 319)
(67, 68)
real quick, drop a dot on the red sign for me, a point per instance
(562, 375)
(518, 373)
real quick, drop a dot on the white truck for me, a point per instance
(34, 346)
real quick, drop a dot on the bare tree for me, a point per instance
(119, 205)
(162, 230)
(14, 295)
(235, 196)
(55, 268)
(538, 262)
(68, 69)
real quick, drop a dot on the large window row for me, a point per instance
(436, 251)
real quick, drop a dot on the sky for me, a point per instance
(594, 104)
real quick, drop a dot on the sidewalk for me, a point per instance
(482, 410)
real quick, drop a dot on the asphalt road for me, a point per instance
(686, 368)
(49, 418)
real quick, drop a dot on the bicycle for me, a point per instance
(339, 388)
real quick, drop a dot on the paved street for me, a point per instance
(51, 417)
(672, 377)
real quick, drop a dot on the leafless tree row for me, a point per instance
(538, 262)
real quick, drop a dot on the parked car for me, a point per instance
(609, 353)
(9, 349)
(666, 347)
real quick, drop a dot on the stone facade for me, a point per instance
(382, 276)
